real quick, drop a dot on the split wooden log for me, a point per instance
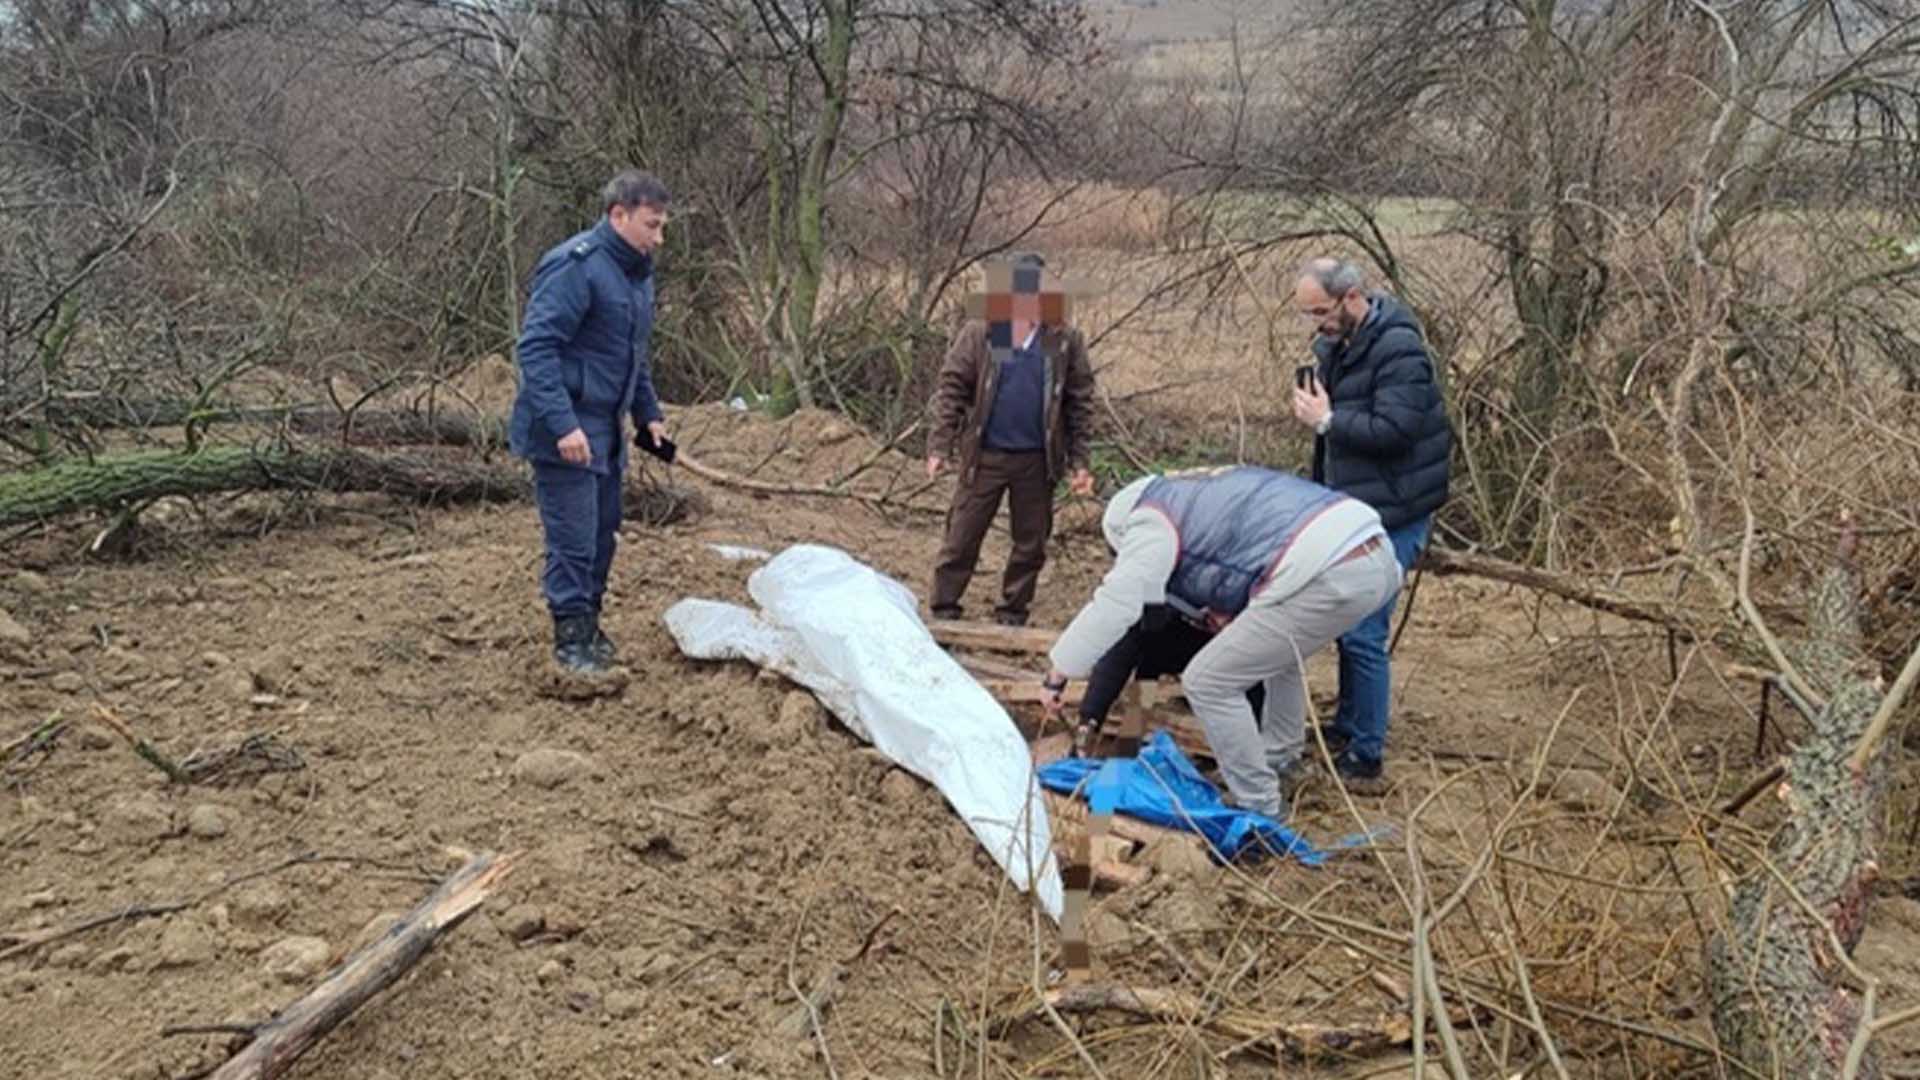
(109, 483)
(377, 965)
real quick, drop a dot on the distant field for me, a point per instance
(1182, 20)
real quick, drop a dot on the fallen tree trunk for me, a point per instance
(445, 427)
(109, 483)
(281, 1041)
(1781, 973)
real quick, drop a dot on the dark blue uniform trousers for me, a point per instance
(580, 511)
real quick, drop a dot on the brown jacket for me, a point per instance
(963, 396)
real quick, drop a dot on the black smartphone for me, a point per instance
(664, 449)
(1304, 376)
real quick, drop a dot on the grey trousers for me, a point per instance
(1269, 642)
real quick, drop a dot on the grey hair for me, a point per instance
(635, 188)
(1336, 277)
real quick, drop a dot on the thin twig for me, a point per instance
(142, 747)
(816, 1027)
(1883, 716)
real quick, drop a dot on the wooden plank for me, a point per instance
(1029, 691)
(1112, 848)
(981, 667)
(1119, 875)
(991, 636)
(1072, 811)
(1050, 748)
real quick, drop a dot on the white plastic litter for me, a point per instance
(854, 637)
(740, 554)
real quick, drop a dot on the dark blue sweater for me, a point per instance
(1018, 419)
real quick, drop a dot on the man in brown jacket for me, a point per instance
(1013, 407)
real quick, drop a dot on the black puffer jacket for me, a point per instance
(1389, 442)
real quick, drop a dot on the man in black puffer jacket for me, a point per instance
(1381, 436)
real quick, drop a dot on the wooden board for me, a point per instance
(1072, 811)
(1029, 691)
(993, 637)
(982, 667)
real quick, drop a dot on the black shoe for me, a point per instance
(573, 645)
(952, 613)
(601, 646)
(1010, 618)
(1362, 776)
(1337, 741)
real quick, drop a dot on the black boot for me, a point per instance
(601, 645)
(573, 645)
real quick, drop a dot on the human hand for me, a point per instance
(658, 429)
(1311, 405)
(935, 465)
(1053, 691)
(1081, 483)
(574, 448)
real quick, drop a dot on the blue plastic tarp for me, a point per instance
(1162, 787)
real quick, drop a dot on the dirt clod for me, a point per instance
(12, 634)
(522, 922)
(295, 959)
(207, 821)
(553, 768)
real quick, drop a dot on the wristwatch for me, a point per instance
(1052, 686)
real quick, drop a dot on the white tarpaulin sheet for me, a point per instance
(854, 637)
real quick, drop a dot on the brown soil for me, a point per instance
(716, 840)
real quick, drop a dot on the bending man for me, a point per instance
(1163, 642)
(1286, 564)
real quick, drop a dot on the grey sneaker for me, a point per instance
(1295, 779)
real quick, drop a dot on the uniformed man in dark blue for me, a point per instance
(583, 366)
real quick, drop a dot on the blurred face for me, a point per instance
(640, 226)
(1330, 318)
(1026, 307)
